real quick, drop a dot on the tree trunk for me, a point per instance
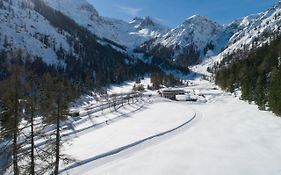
(15, 150)
(32, 166)
(56, 172)
(15, 131)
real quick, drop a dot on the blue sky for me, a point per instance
(174, 12)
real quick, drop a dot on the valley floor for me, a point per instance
(223, 136)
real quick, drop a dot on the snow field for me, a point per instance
(231, 137)
(157, 118)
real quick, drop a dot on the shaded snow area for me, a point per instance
(223, 135)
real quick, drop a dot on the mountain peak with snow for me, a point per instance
(147, 22)
(197, 31)
(123, 33)
(149, 27)
(197, 17)
(278, 4)
(196, 38)
(198, 20)
(74, 8)
(255, 29)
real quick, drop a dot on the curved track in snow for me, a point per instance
(103, 158)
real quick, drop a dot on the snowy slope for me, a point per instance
(24, 28)
(119, 31)
(256, 29)
(253, 30)
(196, 30)
(149, 27)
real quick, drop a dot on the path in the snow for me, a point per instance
(130, 147)
(146, 128)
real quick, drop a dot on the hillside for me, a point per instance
(126, 34)
(256, 73)
(45, 33)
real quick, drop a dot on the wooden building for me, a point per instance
(171, 93)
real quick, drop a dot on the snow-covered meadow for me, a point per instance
(221, 136)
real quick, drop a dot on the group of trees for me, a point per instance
(257, 73)
(34, 97)
(31, 100)
(188, 56)
(161, 56)
(159, 78)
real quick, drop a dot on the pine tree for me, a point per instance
(246, 90)
(6, 43)
(11, 100)
(260, 92)
(33, 86)
(275, 91)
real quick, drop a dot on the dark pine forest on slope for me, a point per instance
(256, 72)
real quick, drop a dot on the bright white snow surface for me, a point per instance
(227, 137)
(127, 87)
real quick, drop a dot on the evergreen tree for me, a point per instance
(256, 71)
(275, 91)
(246, 90)
(260, 92)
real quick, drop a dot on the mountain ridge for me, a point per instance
(192, 41)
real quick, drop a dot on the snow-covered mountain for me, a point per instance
(246, 33)
(189, 43)
(22, 27)
(255, 29)
(149, 27)
(127, 34)
(196, 30)
(197, 37)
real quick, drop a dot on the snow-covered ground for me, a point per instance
(127, 87)
(120, 136)
(227, 136)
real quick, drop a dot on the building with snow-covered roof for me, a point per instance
(171, 93)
